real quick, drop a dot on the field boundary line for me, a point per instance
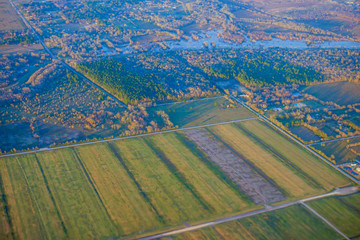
(337, 192)
(187, 101)
(324, 220)
(127, 137)
(296, 141)
(333, 140)
(33, 197)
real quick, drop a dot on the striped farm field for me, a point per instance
(296, 171)
(294, 222)
(118, 189)
(145, 185)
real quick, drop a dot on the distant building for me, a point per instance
(300, 105)
(277, 109)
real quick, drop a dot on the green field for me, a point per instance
(342, 211)
(293, 222)
(342, 93)
(338, 149)
(121, 188)
(205, 111)
(143, 185)
(296, 171)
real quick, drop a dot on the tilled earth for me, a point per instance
(248, 180)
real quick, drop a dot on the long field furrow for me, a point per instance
(82, 212)
(248, 180)
(22, 209)
(314, 167)
(121, 196)
(167, 194)
(219, 196)
(284, 175)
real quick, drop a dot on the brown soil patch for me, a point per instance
(248, 180)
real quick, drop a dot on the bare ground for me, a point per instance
(250, 182)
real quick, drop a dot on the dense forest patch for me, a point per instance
(129, 87)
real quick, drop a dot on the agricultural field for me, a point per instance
(153, 183)
(293, 222)
(340, 150)
(204, 111)
(291, 169)
(143, 185)
(342, 93)
(342, 211)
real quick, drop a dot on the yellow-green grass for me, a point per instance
(316, 170)
(218, 195)
(342, 211)
(293, 222)
(123, 201)
(53, 226)
(24, 214)
(174, 201)
(204, 111)
(286, 177)
(82, 211)
(6, 231)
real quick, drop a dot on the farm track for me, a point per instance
(341, 191)
(127, 137)
(261, 191)
(325, 220)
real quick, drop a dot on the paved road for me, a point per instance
(341, 191)
(62, 62)
(133, 136)
(297, 141)
(333, 140)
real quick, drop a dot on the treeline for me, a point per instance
(24, 39)
(129, 87)
(258, 71)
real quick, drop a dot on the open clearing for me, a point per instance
(342, 211)
(342, 93)
(204, 111)
(294, 222)
(144, 185)
(9, 19)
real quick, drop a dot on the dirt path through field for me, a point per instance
(260, 191)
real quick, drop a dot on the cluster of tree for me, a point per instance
(22, 39)
(129, 87)
(258, 71)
